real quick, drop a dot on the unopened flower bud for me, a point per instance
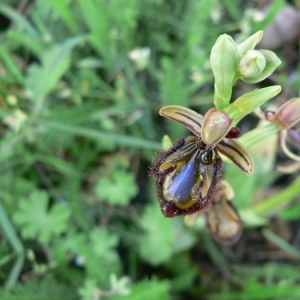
(267, 65)
(216, 125)
(252, 63)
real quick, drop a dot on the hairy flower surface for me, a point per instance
(188, 173)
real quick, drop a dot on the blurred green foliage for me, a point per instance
(81, 83)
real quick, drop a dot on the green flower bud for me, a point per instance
(216, 124)
(224, 61)
(272, 62)
(252, 64)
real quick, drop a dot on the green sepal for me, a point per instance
(166, 142)
(250, 43)
(272, 62)
(224, 61)
(247, 103)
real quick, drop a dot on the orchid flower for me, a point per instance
(222, 218)
(188, 173)
(287, 116)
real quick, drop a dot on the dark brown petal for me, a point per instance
(233, 133)
(238, 154)
(185, 116)
(165, 160)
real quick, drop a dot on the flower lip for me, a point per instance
(185, 184)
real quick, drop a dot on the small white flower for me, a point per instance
(15, 120)
(140, 56)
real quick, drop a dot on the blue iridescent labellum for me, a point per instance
(188, 175)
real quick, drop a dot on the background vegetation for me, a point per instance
(81, 85)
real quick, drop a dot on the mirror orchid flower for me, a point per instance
(189, 172)
(222, 218)
(286, 117)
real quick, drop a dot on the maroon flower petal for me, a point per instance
(238, 154)
(185, 116)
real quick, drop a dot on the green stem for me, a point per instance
(281, 243)
(269, 205)
(258, 134)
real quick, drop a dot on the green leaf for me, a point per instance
(36, 221)
(101, 257)
(95, 251)
(104, 243)
(21, 20)
(273, 204)
(66, 14)
(118, 188)
(91, 133)
(40, 288)
(158, 234)
(281, 243)
(11, 65)
(147, 290)
(43, 78)
(87, 291)
(291, 213)
(26, 41)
